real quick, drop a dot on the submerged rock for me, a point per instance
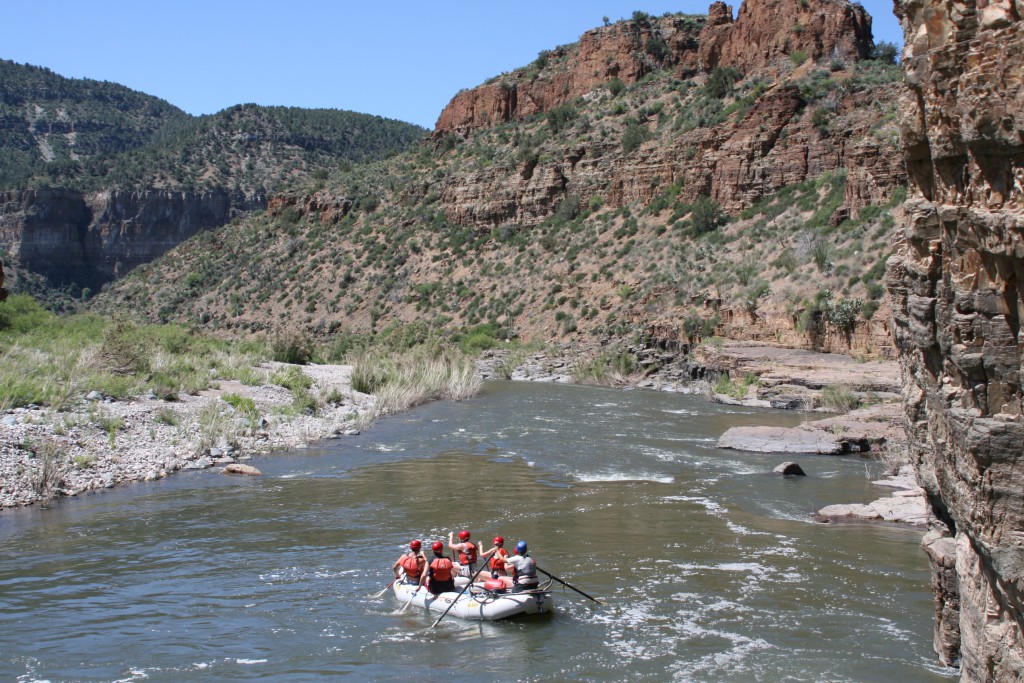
(239, 468)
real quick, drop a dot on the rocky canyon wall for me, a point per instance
(762, 38)
(957, 287)
(92, 239)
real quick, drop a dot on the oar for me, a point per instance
(409, 601)
(569, 585)
(377, 595)
(464, 589)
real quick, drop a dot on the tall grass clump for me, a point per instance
(606, 368)
(400, 381)
(54, 361)
(839, 398)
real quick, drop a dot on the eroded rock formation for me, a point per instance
(774, 144)
(764, 37)
(92, 239)
(958, 296)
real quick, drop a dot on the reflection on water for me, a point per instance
(707, 563)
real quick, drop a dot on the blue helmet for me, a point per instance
(521, 548)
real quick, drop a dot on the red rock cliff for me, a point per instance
(763, 37)
(958, 297)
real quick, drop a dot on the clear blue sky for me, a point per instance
(399, 59)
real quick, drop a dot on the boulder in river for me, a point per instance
(790, 468)
(239, 468)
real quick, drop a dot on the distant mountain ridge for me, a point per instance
(96, 178)
(89, 135)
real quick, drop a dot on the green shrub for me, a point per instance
(634, 136)
(292, 378)
(241, 404)
(705, 215)
(291, 346)
(21, 313)
(720, 81)
(838, 398)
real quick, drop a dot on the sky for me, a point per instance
(397, 59)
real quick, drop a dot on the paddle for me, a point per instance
(464, 589)
(569, 585)
(409, 601)
(377, 595)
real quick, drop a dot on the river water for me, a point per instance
(709, 567)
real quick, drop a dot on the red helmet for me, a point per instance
(437, 546)
(498, 540)
(463, 535)
(415, 546)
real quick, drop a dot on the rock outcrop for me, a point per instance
(766, 36)
(957, 286)
(627, 51)
(737, 164)
(774, 144)
(91, 239)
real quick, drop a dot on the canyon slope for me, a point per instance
(675, 177)
(96, 178)
(957, 286)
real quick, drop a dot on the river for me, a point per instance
(708, 565)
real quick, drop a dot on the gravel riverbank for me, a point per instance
(101, 443)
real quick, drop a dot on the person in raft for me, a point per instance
(523, 568)
(409, 567)
(440, 574)
(467, 551)
(498, 558)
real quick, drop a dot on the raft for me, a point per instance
(478, 603)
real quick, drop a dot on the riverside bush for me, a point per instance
(401, 381)
(838, 398)
(607, 368)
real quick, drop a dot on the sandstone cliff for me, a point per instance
(958, 296)
(781, 50)
(765, 37)
(89, 240)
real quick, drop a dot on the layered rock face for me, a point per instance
(766, 34)
(616, 51)
(764, 37)
(773, 145)
(91, 239)
(957, 286)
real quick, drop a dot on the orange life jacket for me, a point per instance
(412, 565)
(442, 569)
(498, 560)
(468, 554)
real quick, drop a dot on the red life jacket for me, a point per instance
(442, 568)
(498, 560)
(412, 565)
(468, 554)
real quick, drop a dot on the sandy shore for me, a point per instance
(102, 443)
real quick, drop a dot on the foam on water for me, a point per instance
(623, 476)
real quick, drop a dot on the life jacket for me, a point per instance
(498, 560)
(527, 576)
(412, 565)
(468, 553)
(441, 568)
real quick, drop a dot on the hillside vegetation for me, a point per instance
(433, 238)
(90, 135)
